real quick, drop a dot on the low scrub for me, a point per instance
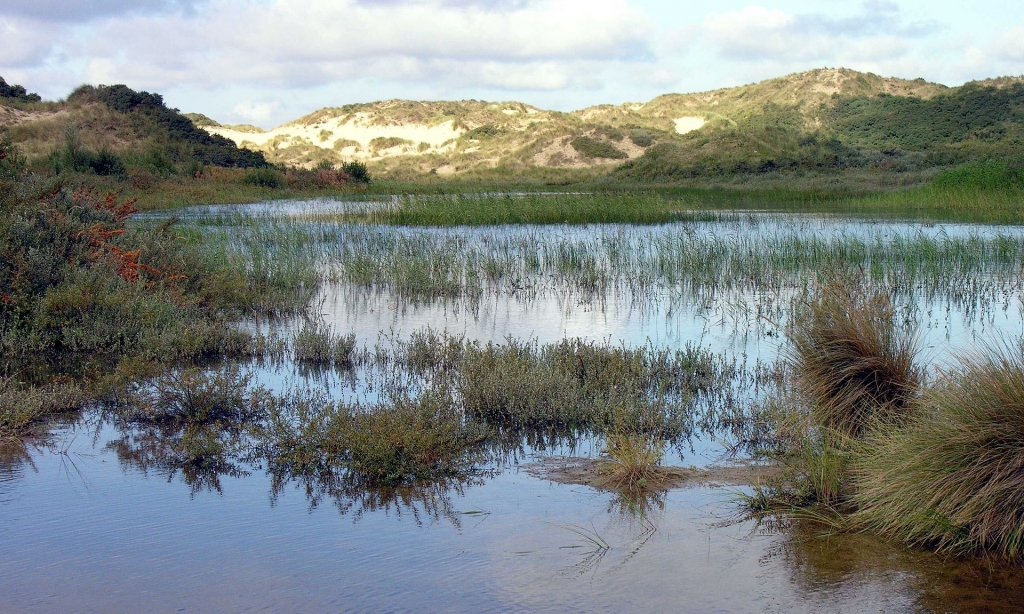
(592, 148)
(265, 178)
(404, 438)
(193, 396)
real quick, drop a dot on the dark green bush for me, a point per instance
(265, 178)
(356, 171)
(592, 148)
(181, 139)
(16, 92)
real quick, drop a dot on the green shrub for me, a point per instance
(592, 148)
(404, 438)
(356, 171)
(194, 396)
(16, 92)
(641, 138)
(988, 175)
(265, 178)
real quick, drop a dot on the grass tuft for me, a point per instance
(317, 344)
(633, 462)
(953, 479)
(853, 359)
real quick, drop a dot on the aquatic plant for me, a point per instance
(403, 438)
(317, 344)
(23, 408)
(194, 396)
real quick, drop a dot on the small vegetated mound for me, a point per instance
(633, 463)
(953, 479)
(575, 385)
(400, 439)
(197, 397)
(870, 447)
(406, 438)
(853, 366)
(589, 147)
(22, 408)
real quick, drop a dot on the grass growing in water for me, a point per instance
(317, 344)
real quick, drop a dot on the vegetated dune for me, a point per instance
(456, 137)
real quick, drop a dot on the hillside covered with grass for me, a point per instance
(868, 130)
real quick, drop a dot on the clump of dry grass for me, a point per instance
(633, 463)
(853, 360)
(953, 479)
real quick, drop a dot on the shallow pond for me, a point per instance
(85, 526)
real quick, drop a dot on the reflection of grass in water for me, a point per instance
(818, 561)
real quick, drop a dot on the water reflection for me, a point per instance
(830, 565)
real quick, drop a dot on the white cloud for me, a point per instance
(256, 112)
(292, 43)
(26, 42)
(1009, 46)
(87, 10)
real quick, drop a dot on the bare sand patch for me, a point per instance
(689, 124)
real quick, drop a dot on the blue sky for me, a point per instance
(269, 61)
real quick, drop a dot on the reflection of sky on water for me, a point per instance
(103, 537)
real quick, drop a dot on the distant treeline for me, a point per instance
(16, 92)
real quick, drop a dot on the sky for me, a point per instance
(267, 62)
